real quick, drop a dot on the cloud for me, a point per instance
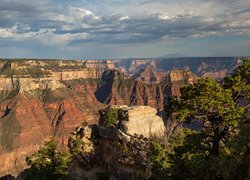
(124, 18)
(72, 23)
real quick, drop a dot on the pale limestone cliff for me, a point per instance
(142, 120)
(99, 64)
(6, 84)
(78, 74)
(28, 84)
(52, 82)
(133, 120)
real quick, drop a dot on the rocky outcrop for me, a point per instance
(120, 89)
(117, 88)
(138, 64)
(174, 81)
(150, 74)
(116, 151)
(133, 120)
(218, 75)
(142, 120)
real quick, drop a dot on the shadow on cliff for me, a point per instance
(104, 90)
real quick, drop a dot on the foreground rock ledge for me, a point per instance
(135, 120)
(121, 149)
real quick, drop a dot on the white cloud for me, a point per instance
(165, 17)
(75, 18)
(46, 36)
(80, 13)
(124, 18)
(49, 37)
(5, 33)
(17, 31)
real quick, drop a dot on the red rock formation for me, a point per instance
(117, 89)
(23, 129)
(27, 121)
(218, 75)
(138, 64)
(33, 122)
(150, 74)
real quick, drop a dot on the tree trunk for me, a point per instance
(216, 146)
(216, 142)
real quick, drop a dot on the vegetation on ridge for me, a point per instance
(48, 163)
(221, 149)
(112, 117)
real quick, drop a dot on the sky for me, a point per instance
(100, 29)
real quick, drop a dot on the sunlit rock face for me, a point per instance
(123, 147)
(140, 120)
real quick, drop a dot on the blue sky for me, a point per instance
(83, 29)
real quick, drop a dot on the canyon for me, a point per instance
(40, 99)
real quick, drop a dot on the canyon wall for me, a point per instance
(49, 98)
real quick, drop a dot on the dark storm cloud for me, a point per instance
(152, 28)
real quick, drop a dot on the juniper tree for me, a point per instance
(48, 162)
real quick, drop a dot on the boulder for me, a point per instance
(141, 120)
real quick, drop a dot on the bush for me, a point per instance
(112, 117)
(48, 163)
(77, 145)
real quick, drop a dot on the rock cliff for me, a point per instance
(150, 74)
(99, 64)
(117, 88)
(123, 148)
(29, 118)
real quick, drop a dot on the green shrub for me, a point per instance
(112, 117)
(48, 163)
(77, 145)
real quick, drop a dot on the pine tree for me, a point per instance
(48, 163)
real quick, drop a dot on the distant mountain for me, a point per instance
(216, 67)
(173, 55)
